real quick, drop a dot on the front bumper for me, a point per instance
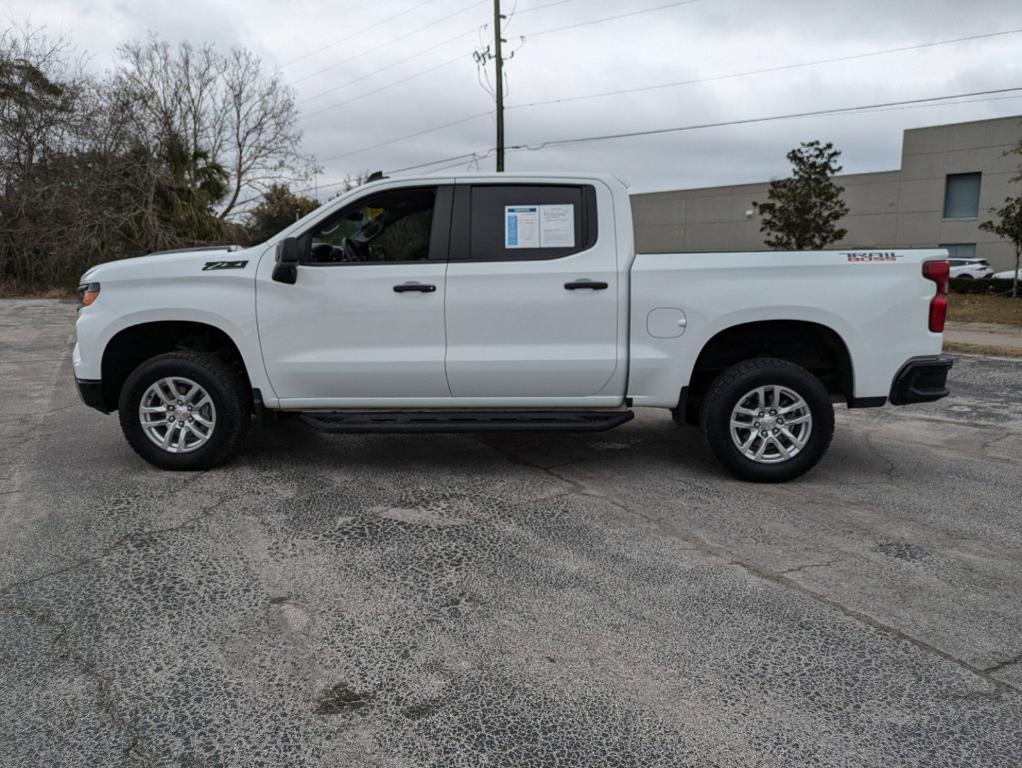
(91, 393)
(921, 380)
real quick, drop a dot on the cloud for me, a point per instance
(702, 40)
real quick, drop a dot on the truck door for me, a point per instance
(364, 321)
(532, 293)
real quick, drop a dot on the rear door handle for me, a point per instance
(410, 287)
(588, 285)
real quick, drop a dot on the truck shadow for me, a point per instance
(649, 441)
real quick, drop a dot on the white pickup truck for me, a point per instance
(504, 303)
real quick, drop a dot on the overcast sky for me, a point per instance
(341, 47)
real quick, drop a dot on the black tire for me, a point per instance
(224, 386)
(966, 276)
(732, 385)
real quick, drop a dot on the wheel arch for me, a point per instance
(133, 345)
(812, 345)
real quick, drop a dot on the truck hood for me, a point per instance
(187, 261)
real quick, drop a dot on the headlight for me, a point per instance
(87, 293)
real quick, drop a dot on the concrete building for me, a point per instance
(950, 178)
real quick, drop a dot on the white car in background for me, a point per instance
(970, 268)
(1007, 275)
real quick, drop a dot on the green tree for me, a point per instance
(803, 210)
(1008, 226)
(278, 209)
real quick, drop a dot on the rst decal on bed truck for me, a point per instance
(504, 303)
(870, 257)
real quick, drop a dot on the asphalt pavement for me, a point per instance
(519, 600)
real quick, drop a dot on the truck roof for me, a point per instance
(512, 175)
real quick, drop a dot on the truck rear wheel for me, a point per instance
(184, 411)
(768, 420)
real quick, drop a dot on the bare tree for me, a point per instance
(40, 87)
(153, 156)
(42, 90)
(222, 106)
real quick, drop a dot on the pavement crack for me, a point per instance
(1002, 664)
(808, 565)
(104, 695)
(127, 538)
(706, 548)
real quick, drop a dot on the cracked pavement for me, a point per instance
(506, 600)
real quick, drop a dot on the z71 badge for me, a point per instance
(213, 265)
(877, 256)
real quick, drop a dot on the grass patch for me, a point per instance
(982, 349)
(977, 308)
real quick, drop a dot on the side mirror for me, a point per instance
(286, 269)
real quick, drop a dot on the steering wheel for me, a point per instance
(351, 253)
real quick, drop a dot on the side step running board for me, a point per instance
(467, 421)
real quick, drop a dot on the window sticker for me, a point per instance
(521, 226)
(539, 226)
(557, 226)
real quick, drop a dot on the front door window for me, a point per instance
(389, 228)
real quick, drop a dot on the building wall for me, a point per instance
(903, 208)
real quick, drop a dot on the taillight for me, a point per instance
(940, 273)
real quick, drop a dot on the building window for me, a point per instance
(960, 250)
(961, 196)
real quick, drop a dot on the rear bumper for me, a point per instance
(921, 380)
(91, 393)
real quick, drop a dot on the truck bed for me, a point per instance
(876, 301)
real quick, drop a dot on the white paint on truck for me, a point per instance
(374, 319)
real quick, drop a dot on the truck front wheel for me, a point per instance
(184, 411)
(768, 420)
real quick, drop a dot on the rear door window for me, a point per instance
(520, 222)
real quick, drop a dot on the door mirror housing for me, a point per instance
(286, 268)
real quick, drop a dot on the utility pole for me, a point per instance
(495, 53)
(498, 41)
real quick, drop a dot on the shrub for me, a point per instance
(987, 285)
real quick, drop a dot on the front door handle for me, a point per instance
(410, 287)
(588, 285)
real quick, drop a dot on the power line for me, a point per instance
(391, 41)
(909, 103)
(544, 6)
(474, 159)
(905, 104)
(332, 184)
(355, 34)
(431, 162)
(780, 68)
(382, 88)
(611, 18)
(748, 121)
(408, 136)
(479, 115)
(932, 101)
(389, 66)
